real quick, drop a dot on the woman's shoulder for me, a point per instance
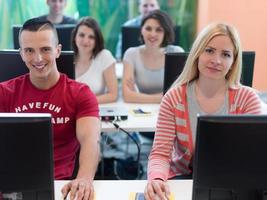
(105, 53)
(242, 88)
(244, 92)
(173, 48)
(133, 50)
(175, 94)
(104, 59)
(132, 53)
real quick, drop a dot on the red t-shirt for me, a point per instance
(67, 101)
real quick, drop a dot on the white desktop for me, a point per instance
(135, 122)
(141, 123)
(120, 190)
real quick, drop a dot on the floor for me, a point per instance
(120, 147)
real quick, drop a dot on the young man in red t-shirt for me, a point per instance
(73, 106)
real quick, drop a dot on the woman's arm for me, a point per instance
(111, 83)
(130, 91)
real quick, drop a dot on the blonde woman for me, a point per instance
(209, 85)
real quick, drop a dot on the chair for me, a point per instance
(174, 64)
(64, 35)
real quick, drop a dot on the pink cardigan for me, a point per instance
(173, 149)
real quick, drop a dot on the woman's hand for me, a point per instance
(157, 190)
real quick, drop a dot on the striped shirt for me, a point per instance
(173, 147)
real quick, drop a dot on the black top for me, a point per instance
(66, 19)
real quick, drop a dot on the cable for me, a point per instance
(132, 138)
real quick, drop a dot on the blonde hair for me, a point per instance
(190, 71)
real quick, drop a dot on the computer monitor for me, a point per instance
(11, 64)
(174, 64)
(131, 37)
(229, 161)
(64, 35)
(26, 153)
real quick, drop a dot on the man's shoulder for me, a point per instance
(42, 17)
(15, 81)
(71, 82)
(13, 85)
(73, 90)
(134, 22)
(68, 20)
(73, 85)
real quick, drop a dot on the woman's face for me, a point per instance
(217, 58)
(153, 33)
(85, 39)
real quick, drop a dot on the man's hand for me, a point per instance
(79, 189)
(157, 189)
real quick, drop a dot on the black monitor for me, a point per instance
(131, 37)
(26, 152)
(11, 64)
(174, 64)
(64, 35)
(229, 160)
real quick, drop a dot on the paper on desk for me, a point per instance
(140, 196)
(141, 112)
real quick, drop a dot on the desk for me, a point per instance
(119, 190)
(134, 123)
(140, 123)
(264, 107)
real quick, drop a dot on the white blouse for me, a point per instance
(94, 76)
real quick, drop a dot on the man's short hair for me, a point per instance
(37, 24)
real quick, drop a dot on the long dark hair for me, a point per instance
(99, 40)
(165, 22)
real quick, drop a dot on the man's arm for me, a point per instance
(88, 135)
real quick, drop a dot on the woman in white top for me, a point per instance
(94, 65)
(144, 65)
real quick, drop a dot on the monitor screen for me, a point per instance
(26, 151)
(64, 35)
(11, 64)
(131, 37)
(174, 64)
(229, 161)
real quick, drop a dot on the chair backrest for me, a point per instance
(174, 64)
(131, 37)
(64, 35)
(11, 64)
